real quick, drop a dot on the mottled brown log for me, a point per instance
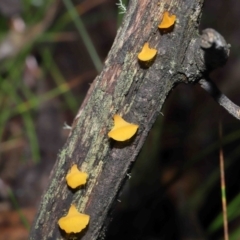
(136, 93)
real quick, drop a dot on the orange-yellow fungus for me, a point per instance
(74, 221)
(167, 21)
(122, 130)
(75, 178)
(147, 53)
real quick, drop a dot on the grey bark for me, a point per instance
(136, 93)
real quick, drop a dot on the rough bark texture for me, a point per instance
(138, 94)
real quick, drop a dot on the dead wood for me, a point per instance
(136, 93)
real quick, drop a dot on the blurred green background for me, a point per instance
(50, 52)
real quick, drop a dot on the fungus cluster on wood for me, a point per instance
(74, 221)
(148, 54)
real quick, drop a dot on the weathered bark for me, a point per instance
(138, 95)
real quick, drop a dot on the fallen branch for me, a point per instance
(137, 94)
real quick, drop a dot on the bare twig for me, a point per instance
(220, 98)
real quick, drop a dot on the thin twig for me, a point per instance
(220, 98)
(223, 186)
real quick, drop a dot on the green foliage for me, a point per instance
(16, 98)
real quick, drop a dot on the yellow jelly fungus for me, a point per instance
(147, 53)
(75, 178)
(122, 130)
(167, 21)
(74, 221)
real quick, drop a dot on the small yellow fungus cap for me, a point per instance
(147, 53)
(167, 21)
(122, 130)
(75, 178)
(74, 221)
